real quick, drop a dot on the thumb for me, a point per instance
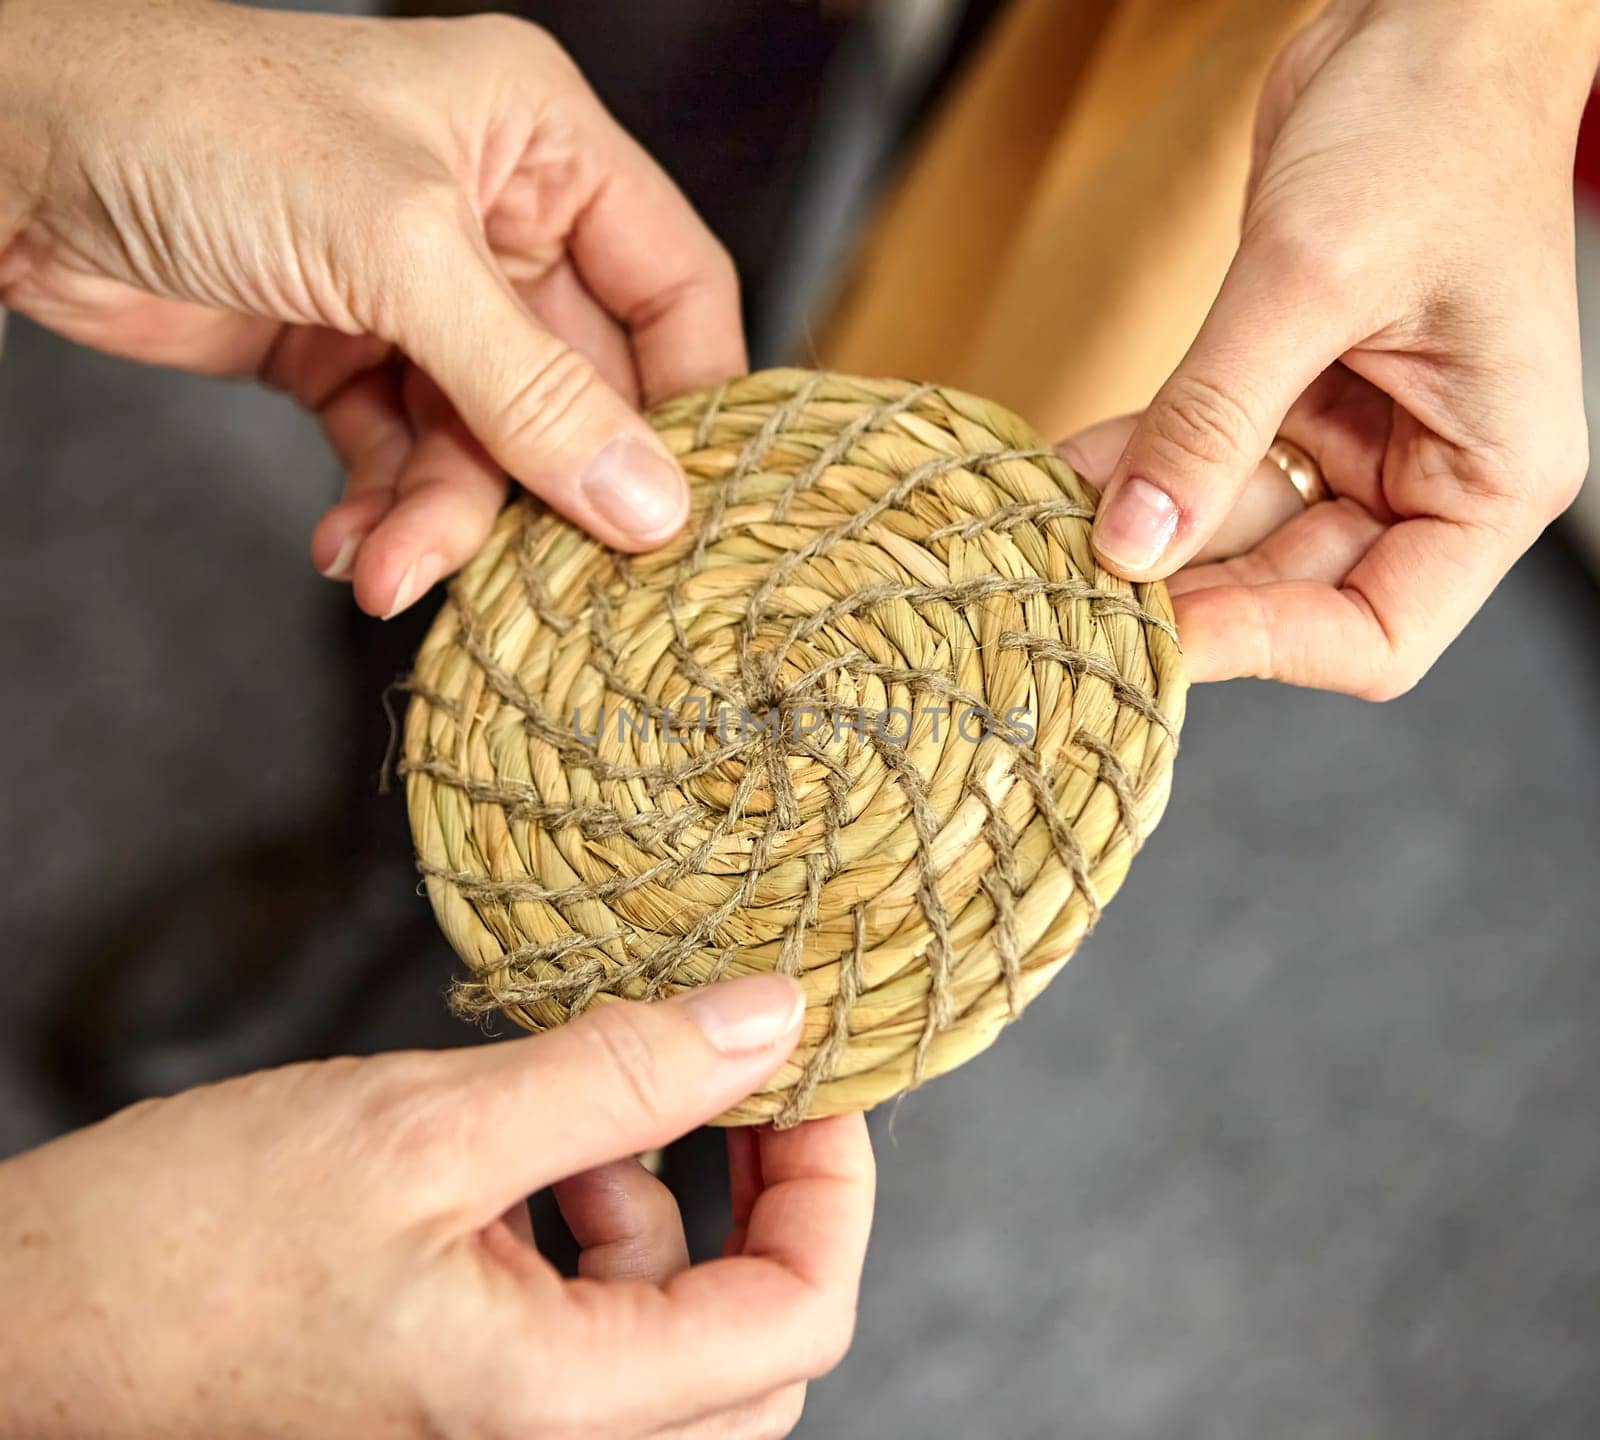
(1195, 448)
(624, 1077)
(536, 405)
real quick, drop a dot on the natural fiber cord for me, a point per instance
(875, 719)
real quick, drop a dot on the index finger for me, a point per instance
(736, 1328)
(1374, 635)
(813, 1212)
(650, 260)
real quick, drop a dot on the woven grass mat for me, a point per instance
(875, 719)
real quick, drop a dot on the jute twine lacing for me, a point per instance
(876, 719)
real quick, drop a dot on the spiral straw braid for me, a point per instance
(876, 719)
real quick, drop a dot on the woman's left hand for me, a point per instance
(1402, 307)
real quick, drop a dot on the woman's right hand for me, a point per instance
(341, 1249)
(429, 232)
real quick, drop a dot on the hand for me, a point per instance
(429, 232)
(326, 1250)
(1402, 307)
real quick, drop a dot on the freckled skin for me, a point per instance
(428, 232)
(321, 1250)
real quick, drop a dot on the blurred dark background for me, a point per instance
(1303, 1143)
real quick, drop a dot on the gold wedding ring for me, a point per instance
(1302, 471)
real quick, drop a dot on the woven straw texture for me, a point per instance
(875, 719)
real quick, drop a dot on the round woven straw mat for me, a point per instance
(875, 719)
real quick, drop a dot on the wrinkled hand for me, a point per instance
(326, 1250)
(419, 229)
(1402, 307)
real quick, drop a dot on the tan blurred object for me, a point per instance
(1060, 235)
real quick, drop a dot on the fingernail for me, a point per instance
(345, 561)
(637, 489)
(416, 582)
(740, 1017)
(1134, 527)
